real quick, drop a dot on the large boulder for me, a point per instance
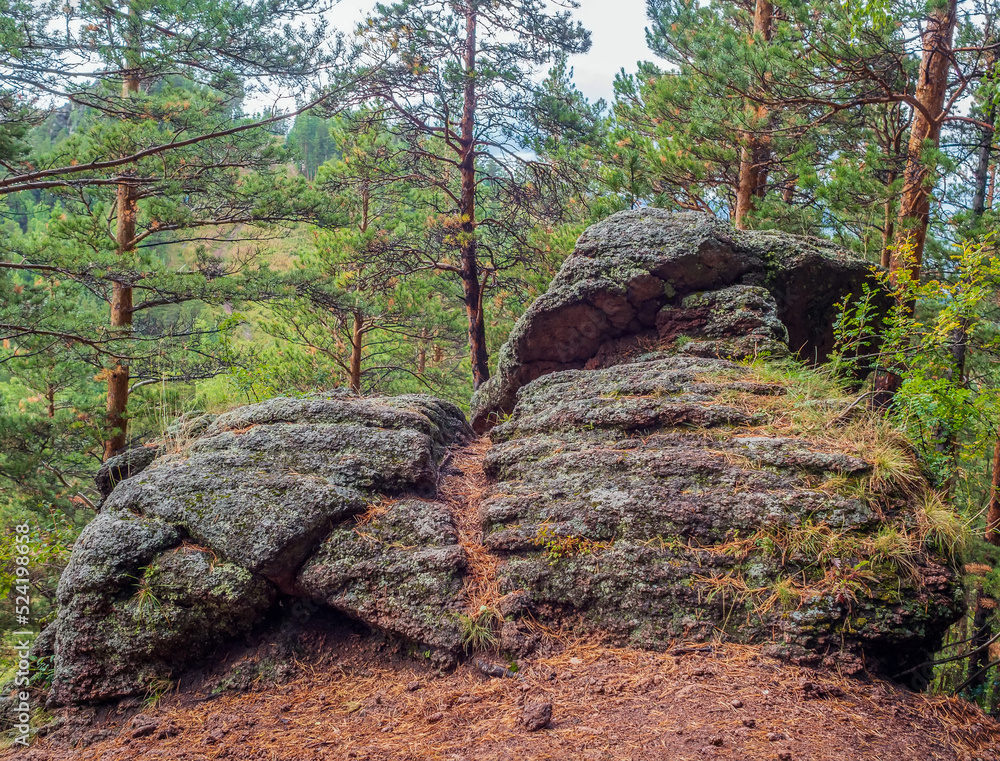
(651, 488)
(670, 499)
(628, 268)
(275, 498)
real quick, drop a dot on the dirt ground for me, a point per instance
(358, 701)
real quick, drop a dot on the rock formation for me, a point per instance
(646, 275)
(644, 486)
(289, 496)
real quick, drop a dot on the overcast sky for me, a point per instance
(617, 29)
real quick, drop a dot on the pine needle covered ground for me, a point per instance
(727, 702)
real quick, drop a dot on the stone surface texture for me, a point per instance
(328, 497)
(634, 499)
(632, 265)
(644, 484)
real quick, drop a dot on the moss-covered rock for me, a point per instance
(632, 265)
(192, 548)
(739, 322)
(109, 644)
(400, 569)
(122, 466)
(633, 500)
(643, 485)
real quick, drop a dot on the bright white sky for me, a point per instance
(617, 29)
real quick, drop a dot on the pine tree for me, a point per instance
(350, 303)
(171, 141)
(454, 77)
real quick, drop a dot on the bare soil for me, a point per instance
(357, 699)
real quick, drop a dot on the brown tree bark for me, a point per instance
(756, 151)
(121, 303)
(357, 346)
(981, 177)
(982, 632)
(893, 147)
(918, 180)
(422, 353)
(472, 286)
(889, 227)
(993, 511)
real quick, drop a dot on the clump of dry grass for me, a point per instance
(374, 511)
(940, 528)
(893, 465)
(894, 547)
(815, 406)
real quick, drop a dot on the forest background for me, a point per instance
(169, 248)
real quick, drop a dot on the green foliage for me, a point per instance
(313, 145)
(920, 336)
(561, 546)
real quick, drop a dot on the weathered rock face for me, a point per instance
(657, 491)
(646, 484)
(634, 264)
(634, 498)
(407, 546)
(196, 547)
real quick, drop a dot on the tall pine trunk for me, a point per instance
(925, 132)
(121, 303)
(993, 511)
(915, 197)
(472, 287)
(889, 222)
(755, 155)
(981, 633)
(357, 347)
(422, 353)
(982, 176)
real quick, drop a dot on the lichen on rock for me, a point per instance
(659, 471)
(676, 525)
(399, 569)
(195, 547)
(653, 490)
(628, 268)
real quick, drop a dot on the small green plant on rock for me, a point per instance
(787, 594)
(845, 582)
(156, 691)
(145, 602)
(560, 546)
